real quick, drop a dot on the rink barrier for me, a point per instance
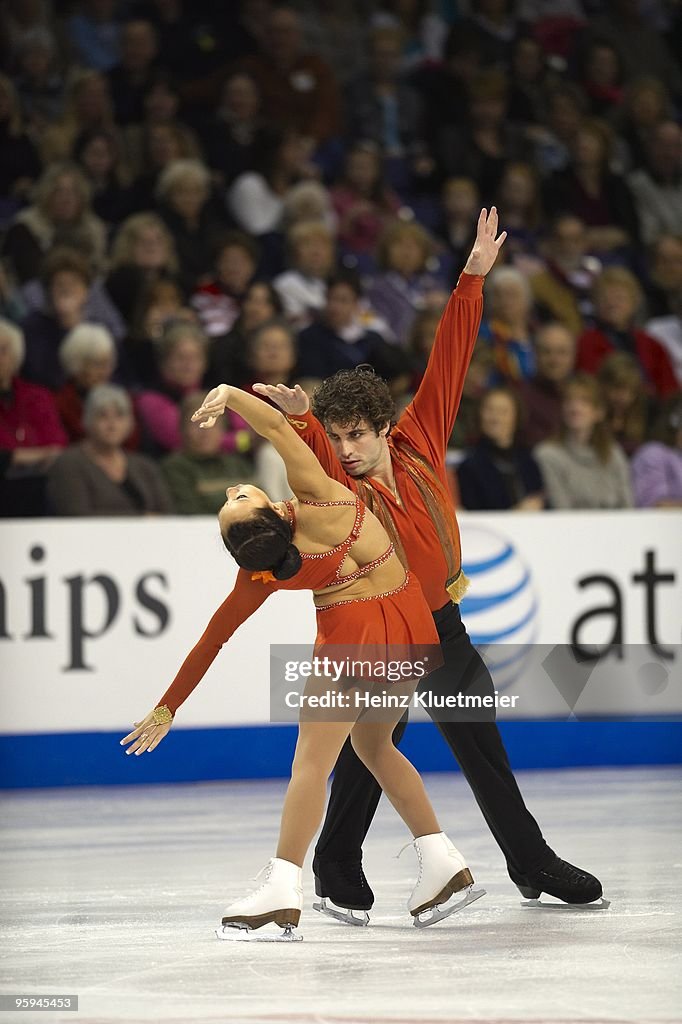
(256, 752)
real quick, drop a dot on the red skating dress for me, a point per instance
(396, 617)
(393, 620)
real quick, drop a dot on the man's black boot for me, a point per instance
(560, 879)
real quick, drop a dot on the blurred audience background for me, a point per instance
(257, 191)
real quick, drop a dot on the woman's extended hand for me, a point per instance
(292, 401)
(212, 406)
(146, 736)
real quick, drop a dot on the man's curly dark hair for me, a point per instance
(353, 395)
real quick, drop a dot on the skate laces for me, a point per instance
(267, 871)
(402, 849)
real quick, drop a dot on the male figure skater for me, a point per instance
(399, 472)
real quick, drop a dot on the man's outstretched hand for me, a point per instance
(292, 401)
(486, 247)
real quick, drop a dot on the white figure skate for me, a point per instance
(277, 903)
(443, 874)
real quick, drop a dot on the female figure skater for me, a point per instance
(324, 540)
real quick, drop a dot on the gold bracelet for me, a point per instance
(162, 715)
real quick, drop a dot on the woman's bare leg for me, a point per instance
(399, 779)
(319, 745)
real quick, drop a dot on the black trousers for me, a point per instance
(478, 747)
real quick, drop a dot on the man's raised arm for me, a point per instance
(429, 418)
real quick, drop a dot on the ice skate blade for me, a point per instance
(243, 933)
(344, 916)
(601, 904)
(432, 915)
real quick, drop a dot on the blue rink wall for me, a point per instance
(191, 755)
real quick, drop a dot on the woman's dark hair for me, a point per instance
(263, 542)
(353, 395)
(237, 240)
(274, 298)
(350, 278)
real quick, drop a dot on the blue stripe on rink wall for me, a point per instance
(254, 752)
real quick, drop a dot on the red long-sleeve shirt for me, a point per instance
(426, 425)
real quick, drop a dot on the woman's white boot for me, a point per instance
(278, 900)
(443, 873)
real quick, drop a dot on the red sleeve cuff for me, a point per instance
(470, 286)
(302, 422)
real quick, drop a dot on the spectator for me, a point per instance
(508, 330)
(657, 465)
(520, 208)
(341, 341)
(66, 284)
(182, 360)
(303, 288)
(39, 83)
(602, 78)
(461, 206)
(270, 355)
(363, 202)
(256, 198)
(554, 139)
(487, 140)
(98, 156)
(306, 201)
(495, 30)
(592, 192)
(541, 394)
(420, 343)
(160, 145)
(227, 354)
(184, 196)
(404, 284)
(657, 188)
(60, 215)
(19, 160)
(382, 105)
(628, 406)
(198, 475)
(562, 290)
(160, 303)
(336, 32)
(584, 467)
(218, 302)
(143, 250)
(31, 435)
(646, 105)
(618, 298)
(232, 136)
(298, 88)
(88, 108)
(444, 87)
(641, 48)
(95, 33)
(161, 103)
(499, 473)
(88, 356)
(132, 76)
(98, 477)
(528, 81)
(665, 298)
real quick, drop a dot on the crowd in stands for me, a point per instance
(248, 191)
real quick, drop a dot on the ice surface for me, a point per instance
(114, 894)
